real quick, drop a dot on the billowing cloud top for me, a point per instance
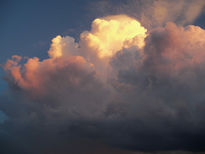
(113, 33)
(120, 85)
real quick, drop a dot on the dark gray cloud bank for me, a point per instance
(149, 99)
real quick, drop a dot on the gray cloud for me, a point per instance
(152, 13)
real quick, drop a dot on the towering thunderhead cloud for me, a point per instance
(120, 84)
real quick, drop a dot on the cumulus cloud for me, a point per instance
(118, 86)
(113, 33)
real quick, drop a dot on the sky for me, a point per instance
(102, 76)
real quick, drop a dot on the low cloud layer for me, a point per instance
(120, 86)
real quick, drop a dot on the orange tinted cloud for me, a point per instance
(179, 47)
(107, 36)
(34, 74)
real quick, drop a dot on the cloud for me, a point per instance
(113, 33)
(119, 86)
(63, 46)
(153, 13)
